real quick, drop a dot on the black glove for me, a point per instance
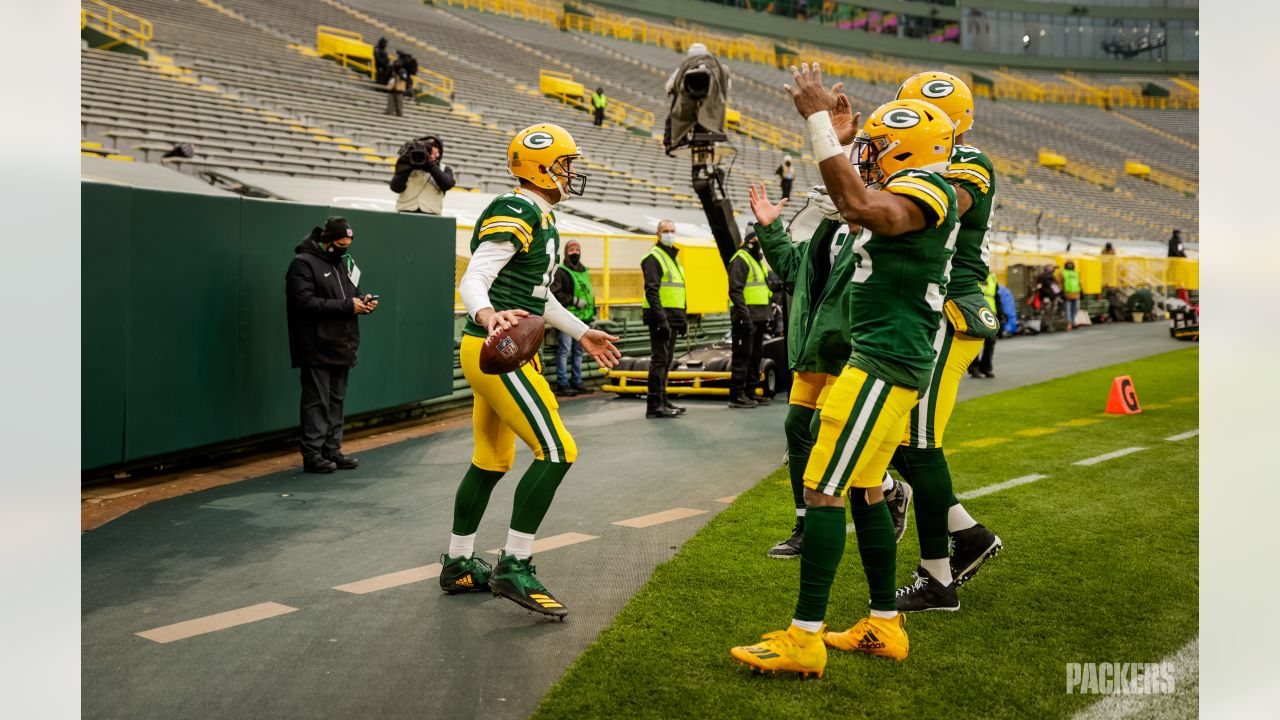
(740, 317)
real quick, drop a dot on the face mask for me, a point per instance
(667, 239)
(574, 258)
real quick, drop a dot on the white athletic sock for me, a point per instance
(519, 544)
(800, 512)
(939, 568)
(462, 545)
(807, 625)
(887, 485)
(886, 614)
(959, 519)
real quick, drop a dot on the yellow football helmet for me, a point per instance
(543, 154)
(945, 90)
(899, 135)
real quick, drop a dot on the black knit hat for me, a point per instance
(336, 228)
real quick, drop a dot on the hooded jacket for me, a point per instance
(323, 329)
(421, 188)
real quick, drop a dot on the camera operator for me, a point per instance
(421, 178)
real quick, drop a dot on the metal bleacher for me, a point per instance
(241, 81)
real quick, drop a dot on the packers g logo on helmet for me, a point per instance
(543, 156)
(538, 140)
(899, 135)
(901, 118)
(937, 89)
(946, 91)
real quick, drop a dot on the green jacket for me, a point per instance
(818, 331)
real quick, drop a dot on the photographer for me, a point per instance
(421, 179)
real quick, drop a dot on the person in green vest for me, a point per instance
(664, 313)
(749, 312)
(982, 367)
(572, 287)
(598, 104)
(1070, 292)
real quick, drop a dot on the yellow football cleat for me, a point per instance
(790, 650)
(886, 637)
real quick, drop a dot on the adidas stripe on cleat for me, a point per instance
(514, 579)
(792, 650)
(464, 574)
(883, 637)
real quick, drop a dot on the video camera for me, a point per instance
(699, 91)
(418, 152)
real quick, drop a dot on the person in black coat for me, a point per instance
(381, 62)
(749, 298)
(1175, 245)
(323, 301)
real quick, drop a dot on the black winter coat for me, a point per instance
(323, 329)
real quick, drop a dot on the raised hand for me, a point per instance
(765, 211)
(809, 94)
(845, 120)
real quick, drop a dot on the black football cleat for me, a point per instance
(926, 593)
(971, 549)
(899, 501)
(514, 579)
(789, 548)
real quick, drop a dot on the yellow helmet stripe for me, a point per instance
(920, 191)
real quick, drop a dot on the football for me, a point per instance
(507, 350)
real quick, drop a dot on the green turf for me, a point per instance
(1100, 565)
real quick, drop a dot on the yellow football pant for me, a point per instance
(861, 425)
(519, 403)
(928, 422)
(810, 389)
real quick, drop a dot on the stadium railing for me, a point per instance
(116, 22)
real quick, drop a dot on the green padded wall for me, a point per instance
(104, 240)
(184, 335)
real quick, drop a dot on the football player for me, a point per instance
(894, 192)
(816, 272)
(514, 252)
(969, 321)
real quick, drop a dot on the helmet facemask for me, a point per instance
(866, 155)
(569, 182)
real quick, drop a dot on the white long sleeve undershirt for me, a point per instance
(486, 262)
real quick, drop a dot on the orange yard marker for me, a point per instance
(1124, 399)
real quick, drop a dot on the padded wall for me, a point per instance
(184, 340)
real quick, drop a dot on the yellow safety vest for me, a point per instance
(671, 290)
(756, 291)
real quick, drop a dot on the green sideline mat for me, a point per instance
(1100, 565)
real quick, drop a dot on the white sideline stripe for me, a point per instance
(214, 623)
(555, 541)
(1108, 456)
(390, 580)
(658, 518)
(1000, 486)
(1184, 436)
(1184, 702)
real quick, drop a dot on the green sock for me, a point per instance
(823, 547)
(534, 493)
(472, 499)
(878, 548)
(799, 445)
(927, 472)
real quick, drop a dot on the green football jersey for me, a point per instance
(898, 286)
(971, 169)
(524, 282)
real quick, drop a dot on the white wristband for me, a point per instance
(823, 136)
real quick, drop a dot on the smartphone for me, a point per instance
(374, 297)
